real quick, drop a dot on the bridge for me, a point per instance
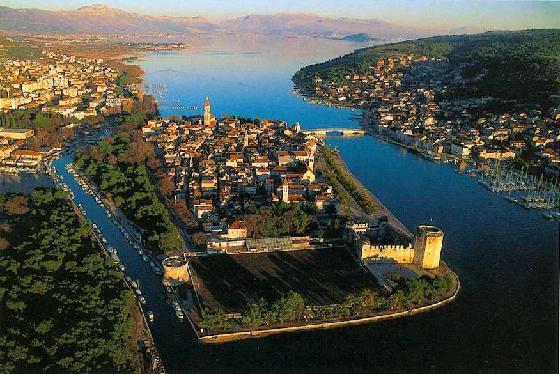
(334, 131)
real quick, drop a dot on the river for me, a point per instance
(506, 316)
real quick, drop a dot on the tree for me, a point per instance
(289, 308)
(397, 300)
(214, 319)
(4, 244)
(183, 212)
(53, 268)
(199, 239)
(17, 205)
(254, 314)
(166, 185)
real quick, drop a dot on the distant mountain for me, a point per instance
(360, 38)
(101, 19)
(314, 25)
(97, 19)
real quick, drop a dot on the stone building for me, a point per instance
(175, 271)
(383, 243)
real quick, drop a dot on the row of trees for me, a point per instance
(409, 294)
(64, 308)
(288, 308)
(281, 219)
(336, 170)
(120, 166)
(291, 307)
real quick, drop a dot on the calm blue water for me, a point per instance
(247, 77)
(506, 318)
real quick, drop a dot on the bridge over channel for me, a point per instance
(335, 131)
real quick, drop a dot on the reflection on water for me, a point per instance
(248, 77)
(24, 182)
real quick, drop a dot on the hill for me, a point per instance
(517, 65)
(314, 25)
(96, 19)
(101, 19)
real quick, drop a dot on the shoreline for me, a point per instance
(261, 333)
(380, 210)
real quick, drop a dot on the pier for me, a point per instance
(335, 131)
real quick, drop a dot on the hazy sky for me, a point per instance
(424, 13)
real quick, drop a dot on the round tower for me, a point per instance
(175, 271)
(427, 246)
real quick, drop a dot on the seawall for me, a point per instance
(228, 337)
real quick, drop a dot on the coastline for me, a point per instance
(264, 332)
(380, 209)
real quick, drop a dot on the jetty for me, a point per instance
(335, 131)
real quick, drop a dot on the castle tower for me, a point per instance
(285, 191)
(427, 246)
(207, 113)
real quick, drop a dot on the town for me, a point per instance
(405, 101)
(229, 167)
(254, 190)
(45, 100)
(405, 91)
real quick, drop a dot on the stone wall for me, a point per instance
(388, 253)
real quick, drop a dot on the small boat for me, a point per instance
(121, 267)
(151, 316)
(179, 314)
(145, 258)
(138, 292)
(142, 299)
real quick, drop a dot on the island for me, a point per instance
(274, 234)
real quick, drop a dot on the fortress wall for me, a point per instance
(388, 253)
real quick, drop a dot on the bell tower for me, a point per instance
(285, 191)
(207, 113)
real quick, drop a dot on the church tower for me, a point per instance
(245, 139)
(207, 113)
(285, 191)
(427, 246)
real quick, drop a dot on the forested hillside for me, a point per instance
(521, 65)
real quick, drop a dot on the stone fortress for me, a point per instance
(175, 271)
(382, 243)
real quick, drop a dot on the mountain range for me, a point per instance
(101, 19)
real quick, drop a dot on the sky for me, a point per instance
(492, 14)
